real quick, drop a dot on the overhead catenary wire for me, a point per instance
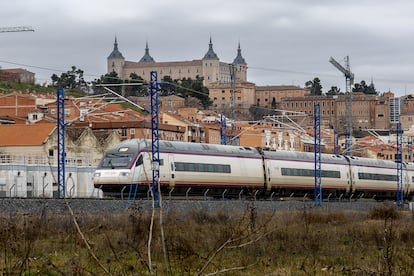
(253, 67)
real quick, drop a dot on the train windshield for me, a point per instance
(117, 160)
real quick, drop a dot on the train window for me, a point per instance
(219, 168)
(139, 161)
(179, 166)
(310, 173)
(202, 167)
(377, 176)
(116, 160)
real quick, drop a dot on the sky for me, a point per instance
(283, 42)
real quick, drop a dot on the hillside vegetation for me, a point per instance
(9, 87)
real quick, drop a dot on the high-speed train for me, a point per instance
(202, 167)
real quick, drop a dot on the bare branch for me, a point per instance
(230, 269)
(84, 239)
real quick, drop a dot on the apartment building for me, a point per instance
(368, 111)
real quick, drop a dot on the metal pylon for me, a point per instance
(155, 145)
(60, 103)
(317, 152)
(398, 159)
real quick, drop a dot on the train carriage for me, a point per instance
(200, 167)
(378, 178)
(182, 165)
(295, 171)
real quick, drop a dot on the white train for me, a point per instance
(234, 169)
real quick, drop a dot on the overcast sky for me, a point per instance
(284, 42)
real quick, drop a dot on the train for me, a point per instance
(200, 168)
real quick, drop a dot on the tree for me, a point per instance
(72, 79)
(334, 91)
(364, 88)
(140, 89)
(108, 78)
(185, 88)
(314, 86)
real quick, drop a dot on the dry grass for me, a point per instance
(307, 242)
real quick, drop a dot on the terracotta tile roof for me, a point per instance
(25, 135)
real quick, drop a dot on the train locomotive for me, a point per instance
(218, 169)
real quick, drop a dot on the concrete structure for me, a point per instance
(28, 160)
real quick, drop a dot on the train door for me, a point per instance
(267, 175)
(406, 180)
(172, 174)
(351, 176)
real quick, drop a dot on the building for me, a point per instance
(17, 104)
(227, 99)
(270, 97)
(17, 75)
(210, 68)
(28, 159)
(368, 111)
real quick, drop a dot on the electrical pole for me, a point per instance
(223, 129)
(60, 103)
(232, 100)
(155, 145)
(317, 152)
(398, 160)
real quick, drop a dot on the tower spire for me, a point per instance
(210, 53)
(115, 52)
(147, 57)
(239, 58)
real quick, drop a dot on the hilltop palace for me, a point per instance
(209, 67)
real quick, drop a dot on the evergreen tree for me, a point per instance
(314, 86)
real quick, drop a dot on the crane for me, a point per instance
(16, 29)
(349, 81)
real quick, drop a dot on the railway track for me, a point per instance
(10, 206)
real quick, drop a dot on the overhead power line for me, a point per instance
(16, 29)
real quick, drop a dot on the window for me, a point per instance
(50, 153)
(132, 131)
(34, 116)
(310, 173)
(377, 176)
(123, 132)
(202, 167)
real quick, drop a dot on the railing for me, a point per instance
(18, 159)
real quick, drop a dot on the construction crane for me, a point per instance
(349, 81)
(16, 29)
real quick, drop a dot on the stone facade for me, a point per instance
(209, 67)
